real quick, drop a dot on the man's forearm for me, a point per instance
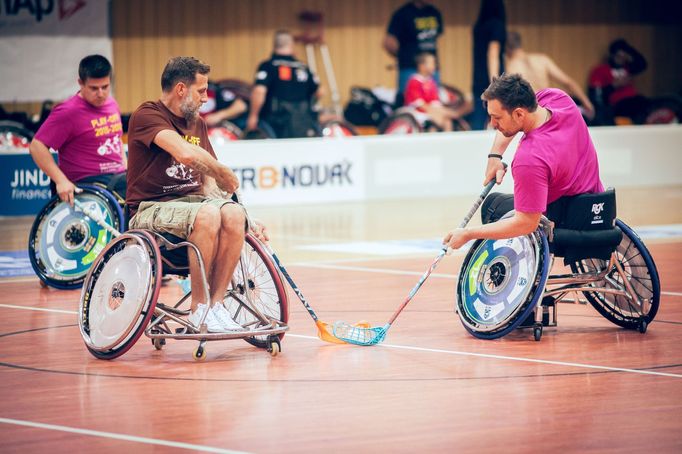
(500, 143)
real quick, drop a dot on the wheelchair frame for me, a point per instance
(544, 312)
(157, 320)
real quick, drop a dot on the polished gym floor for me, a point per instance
(587, 386)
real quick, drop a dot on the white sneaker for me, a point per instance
(225, 319)
(212, 323)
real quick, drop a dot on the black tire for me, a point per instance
(14, 138)
(337, 129)
(42, 265)
(402, 123)
(638, 264)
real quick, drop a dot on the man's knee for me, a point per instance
(207, 221)
(233, 219)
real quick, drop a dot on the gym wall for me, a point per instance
(234, 35)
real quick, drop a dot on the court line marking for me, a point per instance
(117, 436)
(399, 272)
(40, 309)
(447, 352)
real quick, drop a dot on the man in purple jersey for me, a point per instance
(555, 158)
(86, 131)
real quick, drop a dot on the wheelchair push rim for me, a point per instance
(500, 283)
(119, 294)
(642, 275)
(64, 242)
(263, 287)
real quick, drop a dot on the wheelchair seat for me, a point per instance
(584, 226)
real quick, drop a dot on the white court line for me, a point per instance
(116, 436)
(373, 270)
(40, 309)
(451, 352)
(515, 358)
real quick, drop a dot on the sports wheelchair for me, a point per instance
(64, 242)
(506, 284)
(120, 297)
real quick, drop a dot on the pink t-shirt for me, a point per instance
(88, 138)
(555, 160)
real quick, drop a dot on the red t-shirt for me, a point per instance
(555, 160)
(153, 173)
(420, 91)
(605, 76)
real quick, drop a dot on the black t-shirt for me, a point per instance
(416, 30)
(219, 98)
(493, 29)
(286, 79)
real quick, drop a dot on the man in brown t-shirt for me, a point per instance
(176, 185)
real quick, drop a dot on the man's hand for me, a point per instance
(65, 190)
(259, 231)
(227, 180)
(457, 238)
(495, 169)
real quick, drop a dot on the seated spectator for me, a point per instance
(611, 84)
(227, 100)
(283, 93)
(422, 93)
(541, 72)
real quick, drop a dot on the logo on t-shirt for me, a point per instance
(284, 73)
(180, 171)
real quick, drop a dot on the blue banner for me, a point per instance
(24, 188)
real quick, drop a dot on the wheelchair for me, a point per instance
(120, 297)
(506, 284)
(64, 242)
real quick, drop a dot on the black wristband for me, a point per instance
(495, 155)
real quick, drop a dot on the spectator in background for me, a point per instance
(490, 34)
(283, 93)
(227, 100)
(538, 69)
(86, 131)
(611, 87)
(422, 92)
(413, 29)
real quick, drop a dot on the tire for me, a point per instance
(224, 132)
(638, 264)
(402, 123)
(338, 129)
(14, 138)
(49, 248)
(263, 284)
(114, 284)
(512, 282)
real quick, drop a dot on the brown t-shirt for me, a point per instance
(153, 173)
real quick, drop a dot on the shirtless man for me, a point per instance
(541, 71)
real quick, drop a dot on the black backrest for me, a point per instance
(584, 226)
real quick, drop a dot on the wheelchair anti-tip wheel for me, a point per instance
(64, 241)
(500, 283)
(641, 274)
(119, 294)
(257, 283)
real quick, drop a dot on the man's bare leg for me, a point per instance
(228, 251)
(206, 230)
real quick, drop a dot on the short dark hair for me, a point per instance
(93, 67)
(182, 69)
(512, 91)
(421, 57)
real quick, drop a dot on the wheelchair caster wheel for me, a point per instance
(199, 354)
(274, 346)
(158, 343)
(642, 327)
(537, 333)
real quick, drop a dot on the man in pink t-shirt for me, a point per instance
(555, 157)
(86, 131)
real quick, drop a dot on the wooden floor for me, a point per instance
(588, 386)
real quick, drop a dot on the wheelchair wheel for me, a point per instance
(14, 138)
(258, 281)
(64, 242)
(500, 283)
(119, 294)
(641, 272)
(338, 129)
(223, 133)
(402, 123)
